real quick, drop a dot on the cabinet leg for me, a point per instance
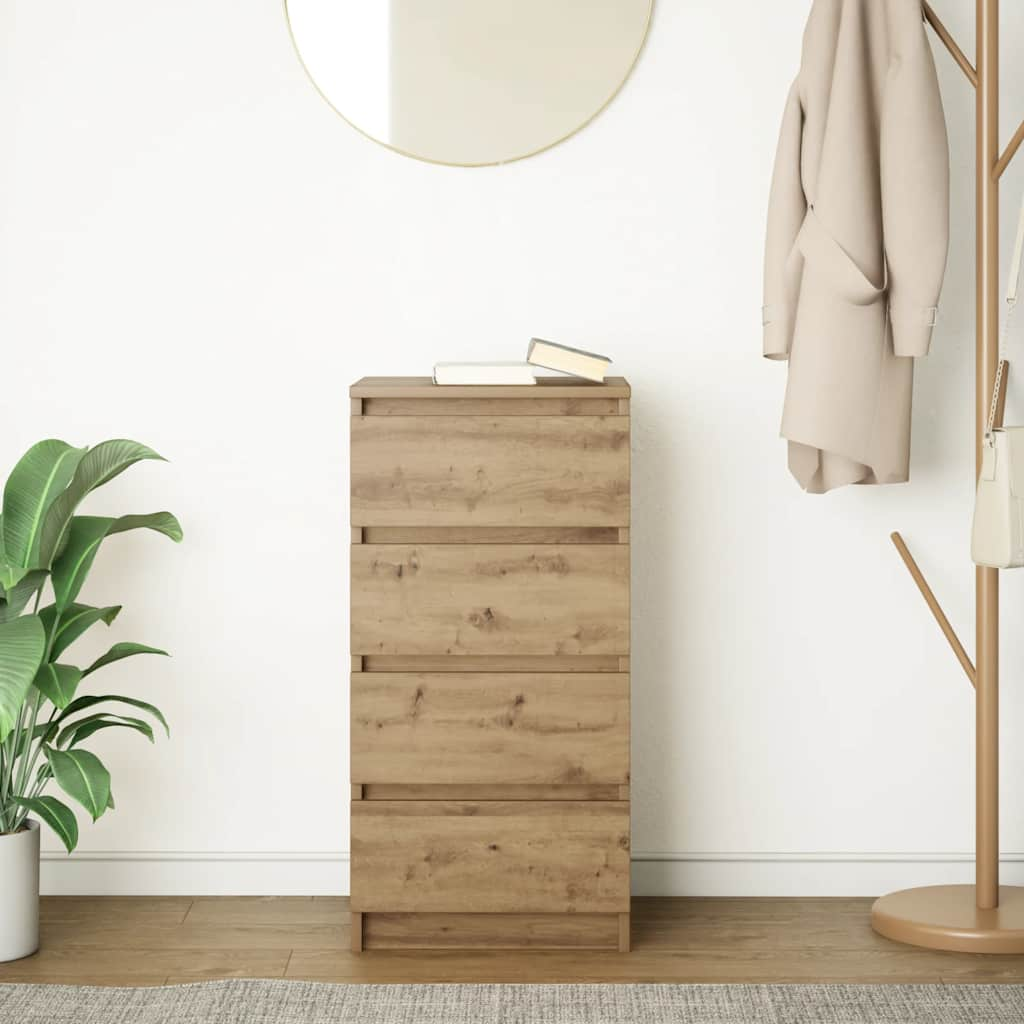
(623, 933)
(357, 933)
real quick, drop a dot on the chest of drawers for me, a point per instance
(490, 665)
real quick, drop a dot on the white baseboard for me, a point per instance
(805, 874)
(194, 874)
(654, 874)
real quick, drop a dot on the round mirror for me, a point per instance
(468, 82)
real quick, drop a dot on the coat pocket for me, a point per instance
(823, 252)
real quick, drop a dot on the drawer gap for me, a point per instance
(489, 407)
(491, 535)
(490, 663)
(428, 791)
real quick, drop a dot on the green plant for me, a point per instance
(43, 722)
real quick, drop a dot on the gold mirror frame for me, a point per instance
(629, 69)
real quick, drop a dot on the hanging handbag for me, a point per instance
(997, 537)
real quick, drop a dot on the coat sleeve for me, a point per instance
(787, 208)
(915, 190)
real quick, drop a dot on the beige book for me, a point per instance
(588, 365)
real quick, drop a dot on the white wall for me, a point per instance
(196, 252)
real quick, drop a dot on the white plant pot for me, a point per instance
(19, 893)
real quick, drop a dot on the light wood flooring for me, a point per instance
(154, 941)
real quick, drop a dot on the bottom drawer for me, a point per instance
(520, 857)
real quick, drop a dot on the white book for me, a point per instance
(576, 361)
(484, 373)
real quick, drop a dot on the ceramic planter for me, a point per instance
(19, 893)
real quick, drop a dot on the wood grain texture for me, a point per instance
(490, 599)
(490, 471)
(624, 933)
(491, 406)
(489, 624)
(152, 940)
(547, 387)
(491, 931)
(474, 793)
(490, 728)
(458, 857)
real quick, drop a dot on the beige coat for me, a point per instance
(857, 235)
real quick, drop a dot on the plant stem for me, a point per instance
(38, 751)
(27, 761)
(15, 755)
(23, 768)
(3, 787)
(6, 777)
(14, 747)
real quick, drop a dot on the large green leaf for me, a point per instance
(43, 473)
(74, 621)
(58, 683)
(81, 703)
(11, 575)
(57, 815)
(85, 727)
(84, 537)
(18, 596)
(98, 466)
(83, 777)
(22, 645)
(120, 651)
(162, 522)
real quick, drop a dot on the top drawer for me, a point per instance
(490, 471)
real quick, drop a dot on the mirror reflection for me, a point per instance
(468, 82)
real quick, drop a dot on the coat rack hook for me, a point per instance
(935, 608)
(1010, 152)
(950, 43)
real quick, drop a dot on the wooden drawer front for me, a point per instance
(490, 599)
(514, 857)
(514, 728)
(490, 471)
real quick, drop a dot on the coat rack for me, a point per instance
(984, 917)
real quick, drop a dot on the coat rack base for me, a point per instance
(947, 917)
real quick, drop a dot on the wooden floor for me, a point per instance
(154, 941)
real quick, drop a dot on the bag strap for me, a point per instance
(1016, 265)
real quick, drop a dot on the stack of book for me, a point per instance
(544, 354)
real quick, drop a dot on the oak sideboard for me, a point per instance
(490, 641)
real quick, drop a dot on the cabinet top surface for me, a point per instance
(546, 387)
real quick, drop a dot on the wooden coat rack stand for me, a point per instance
(984, 917)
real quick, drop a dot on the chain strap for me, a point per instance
(1000, 369)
